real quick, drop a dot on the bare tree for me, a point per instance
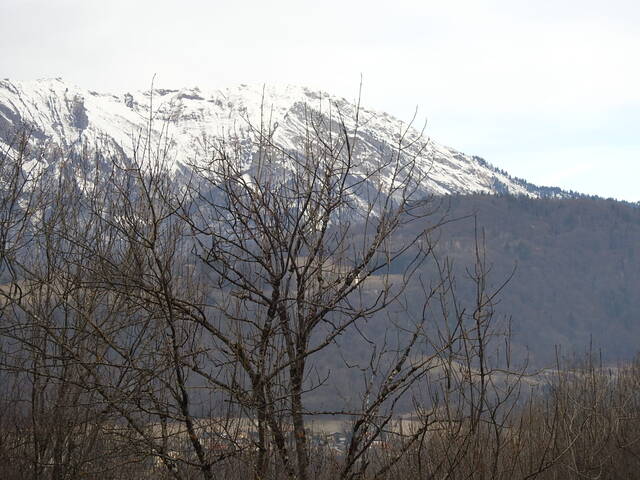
(148, 325)
(291, 246)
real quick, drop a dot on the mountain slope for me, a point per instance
(577, 259)
(63, 116)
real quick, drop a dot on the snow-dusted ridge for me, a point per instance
(66, 116)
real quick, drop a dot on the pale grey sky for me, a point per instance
(547, 90)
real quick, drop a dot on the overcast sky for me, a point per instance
(547, 90)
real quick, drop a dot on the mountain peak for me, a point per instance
(69, 116)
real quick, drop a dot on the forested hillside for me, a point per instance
(577, 269)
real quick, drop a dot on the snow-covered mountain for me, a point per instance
(64, 116)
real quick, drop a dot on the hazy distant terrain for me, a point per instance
(577, 269)
(575, 284)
